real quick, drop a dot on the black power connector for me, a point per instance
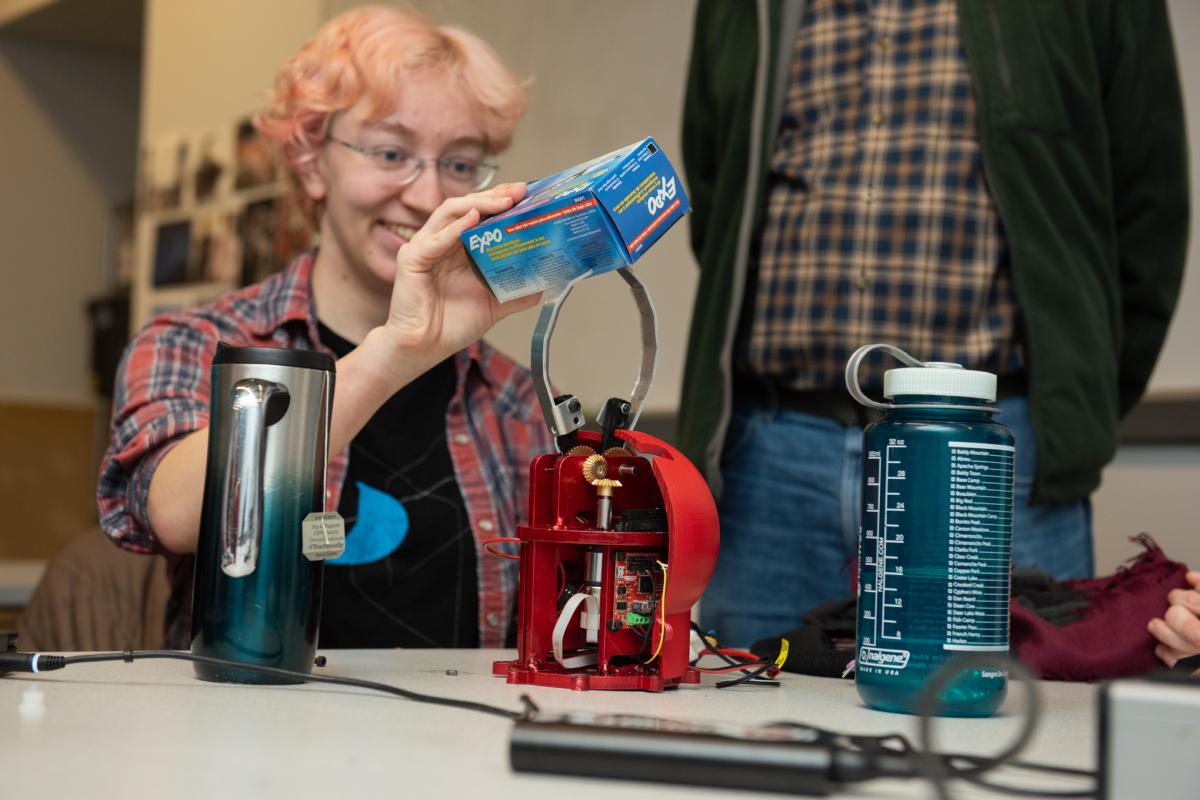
(13, 661)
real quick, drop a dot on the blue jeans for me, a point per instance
(790, 514)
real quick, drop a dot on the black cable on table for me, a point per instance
(747, 668)
(748, 678)
(48, 664)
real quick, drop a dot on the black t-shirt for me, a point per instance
(407, 578)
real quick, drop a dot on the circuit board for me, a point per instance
(637, 588)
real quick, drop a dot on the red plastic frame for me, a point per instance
(554, 544)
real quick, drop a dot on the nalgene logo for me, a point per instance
(876, 657)
(665, 193)
(482, 241)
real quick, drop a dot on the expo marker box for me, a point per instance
(598, 216)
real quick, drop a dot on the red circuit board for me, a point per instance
(637, 588)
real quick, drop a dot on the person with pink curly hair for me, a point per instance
(390, 125)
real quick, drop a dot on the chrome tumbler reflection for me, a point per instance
(242, 530)
(256, 597)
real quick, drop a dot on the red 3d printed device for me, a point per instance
(621, 541)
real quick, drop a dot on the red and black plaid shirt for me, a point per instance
(879, 224)
(494, 428)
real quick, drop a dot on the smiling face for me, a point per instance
(368, 211)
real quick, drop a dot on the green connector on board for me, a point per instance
(634, 618)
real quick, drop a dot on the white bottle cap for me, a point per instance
(939, 378)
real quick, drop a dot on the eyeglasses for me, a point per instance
(458, 174)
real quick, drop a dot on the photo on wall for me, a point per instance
(216, 248)
(255, 159)
(210, 171)
(272, 232)
(172, 253)
(256, 229)
(162, 173)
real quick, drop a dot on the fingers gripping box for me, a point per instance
(598, 216)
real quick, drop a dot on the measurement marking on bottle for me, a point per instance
(882, 515)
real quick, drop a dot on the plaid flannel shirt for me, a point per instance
(878, 224)
(494, 428)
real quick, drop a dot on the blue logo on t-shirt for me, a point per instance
(380, 528)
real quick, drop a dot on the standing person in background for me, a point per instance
(997, 184)
(390, 125)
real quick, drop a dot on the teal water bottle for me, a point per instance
(935, 538)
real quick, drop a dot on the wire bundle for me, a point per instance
(752, 667)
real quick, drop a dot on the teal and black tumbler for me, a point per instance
(935, 539)
(256, 597)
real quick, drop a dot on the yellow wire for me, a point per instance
(662, 620)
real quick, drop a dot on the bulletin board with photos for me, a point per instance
(213, 214)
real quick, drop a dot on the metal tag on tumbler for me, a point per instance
(324, 535)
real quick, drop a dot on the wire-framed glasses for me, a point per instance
(458, 174)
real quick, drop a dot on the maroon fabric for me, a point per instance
(1109, 639)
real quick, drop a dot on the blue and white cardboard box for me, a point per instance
(599, 216)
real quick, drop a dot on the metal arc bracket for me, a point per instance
(564, 415)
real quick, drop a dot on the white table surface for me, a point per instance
(150, 729)
(18, 576)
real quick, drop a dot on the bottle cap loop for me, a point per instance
(951, 380)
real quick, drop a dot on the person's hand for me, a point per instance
(438, 305)
(1178, 631)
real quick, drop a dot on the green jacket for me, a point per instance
(1081, 125)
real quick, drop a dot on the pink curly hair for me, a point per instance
(368, 53)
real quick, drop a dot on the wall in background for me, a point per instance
(73, 117)
(47, 477)
(208, 68)
(1148, 489)
(210, 64)
(1177, 372)
(70, 137)
(12, 9)
(69, 94)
